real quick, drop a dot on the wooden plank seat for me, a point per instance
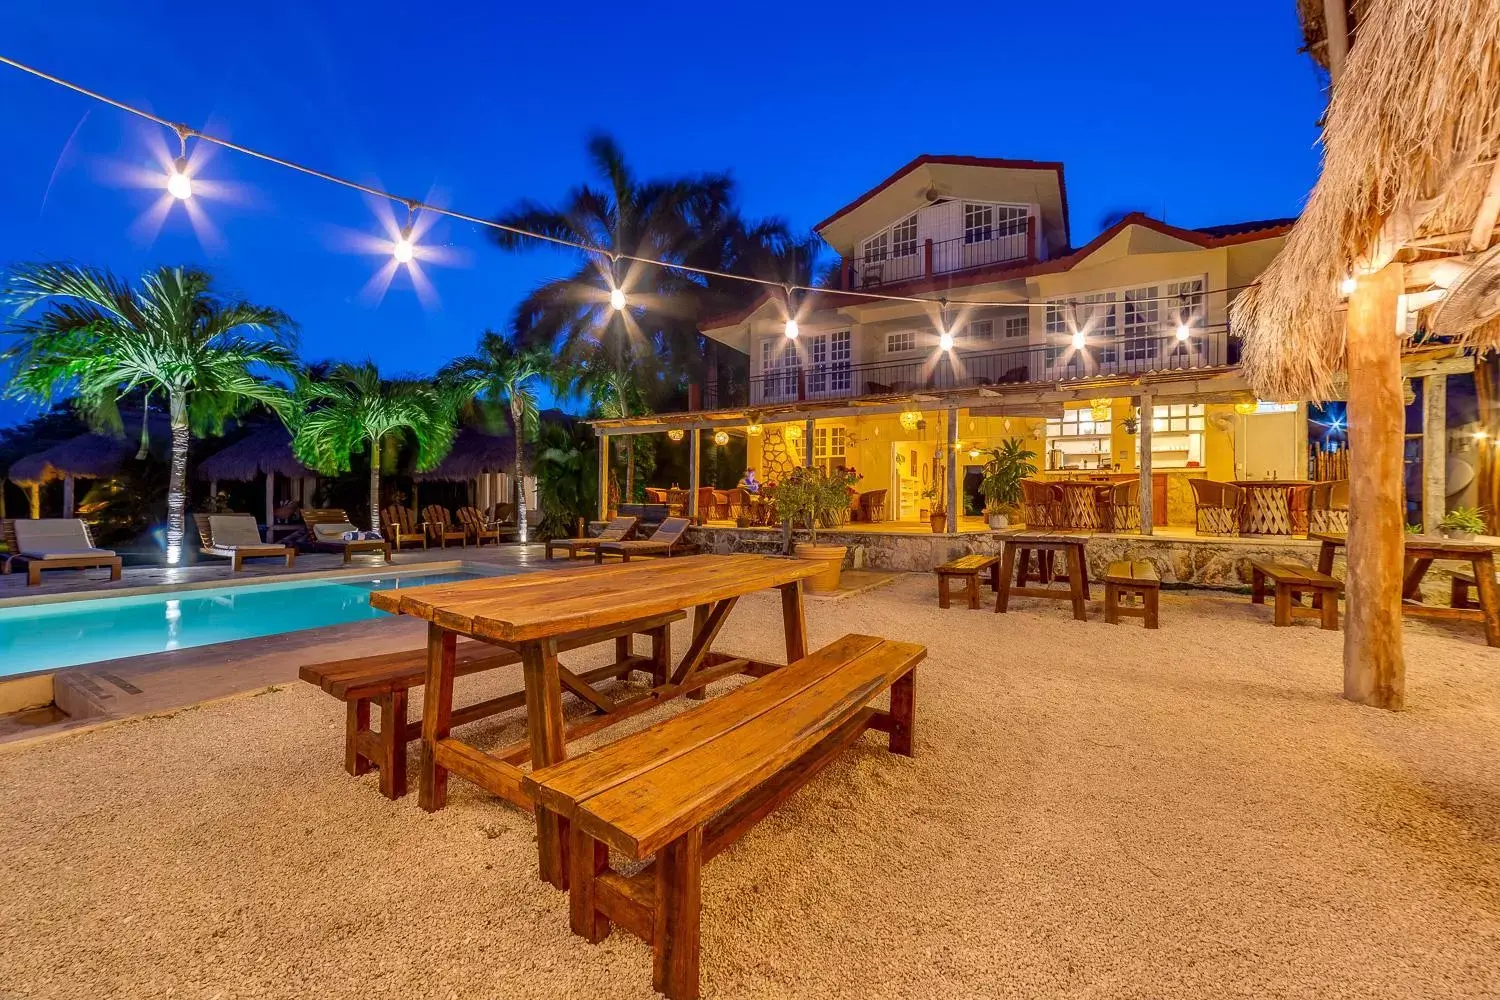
(1133, 578)
(385, 680)
(617, 530)
(685, 789)
(1291, 582)
(968, 567)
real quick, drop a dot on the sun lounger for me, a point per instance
(664, 543)
(616, 530)
(236, 537)
(329, 525)
(55, 543)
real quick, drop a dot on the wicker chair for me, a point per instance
(654, 495)
(1041, 504)
(400, 528)
(1125, 506)
(1217, 506)
(872, 506)
(1328, 507)
(706, 504)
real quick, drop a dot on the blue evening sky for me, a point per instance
(1203, 113)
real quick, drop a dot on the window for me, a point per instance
(1185, 305)
(1080, 423)
(898, 343)
(830, 362)
(1142, 324)
(829, 446)
(1017, 327)
(904, 238)
(1057, 319)
(979, 223)
(980, 331)
(778, 368)
(1097, 318)
(875, 248)
(1177, 435)
(1177, 418)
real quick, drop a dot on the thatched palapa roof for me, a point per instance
(475, 453)
(1410, 147)
(88, 456)
(1314, 17)
(266, 450)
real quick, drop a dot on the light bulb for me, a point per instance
(616, 299)
(403, 251)
(1348, 285)
(179, 184)
(791, 329)
(1182, 331)
(945, 341)
(1078, 341)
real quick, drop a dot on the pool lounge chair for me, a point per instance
(478, 529)
(236, 537)
(400, 528)
(55, 543)
(616, 530)
(327, 527)
(666, 540)
(440, 527)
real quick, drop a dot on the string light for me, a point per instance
(404, 250)
(945, 332)
(792, 330)
(616, 299)
(1348, 286)
(675, 434)
(179, 181)
(721, 438)
(616, 290)
(1183, 331)
(1079, 340)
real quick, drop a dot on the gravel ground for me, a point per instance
(1092, 812)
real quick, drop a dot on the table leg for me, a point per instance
(1007, 572)
(1083, 570)
(661, 655)
(1325, 558)
(1411, 587)
(1489, 596)
(437, 712)
(700, 619)
(794, 621)
(544, 721)
(1076, 584)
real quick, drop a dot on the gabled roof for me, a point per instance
(957, 161)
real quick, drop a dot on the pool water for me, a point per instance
(39, 637)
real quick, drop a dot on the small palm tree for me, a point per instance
(355, 409)
(613, 393)
(509, 376)
(100, 340)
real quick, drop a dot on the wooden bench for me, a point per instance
(1291, 582)
(1463, 585)
(1134, 578)
(969, 567)
(386, 679)
(687, 788)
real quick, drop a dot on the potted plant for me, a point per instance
(803, 499)
(937, 514)
(1008, 465)
(1463, 523)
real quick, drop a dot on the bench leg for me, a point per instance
(356, 721)
(674, 948)
(1330, 608)
(974, 591)
(1257, 586)
(661, 655)
(1151, 595)
(1283, 616)
(943, 590)
(587, 859)
(1007, 574)
(393, 744)
(1111, 604)
(1076, 584)
(903, 713)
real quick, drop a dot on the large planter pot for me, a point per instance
(1457, 535)
(939, 522)
(999, 522)
(831, 556)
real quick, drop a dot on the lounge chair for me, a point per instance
(440, 526)
(328, 526)
(400, 528)
(617, 530)
(478, 529)
(236, 537)
(55, 543)
(666, 540)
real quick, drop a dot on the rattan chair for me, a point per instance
(1041, 504)
(1217, 506)
(1328, 507)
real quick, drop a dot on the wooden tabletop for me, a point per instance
(1433, 543)
(559, 602)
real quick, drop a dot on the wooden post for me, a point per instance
(1374, 668)
(1143, 433)
(69, 485)
(807, 443)
(695, 469)
(952, 459)
(271, 507)
(604, 477)
(36, 500)
(1434, 451)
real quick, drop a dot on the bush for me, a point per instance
(807, 495)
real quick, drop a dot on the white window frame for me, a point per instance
(979, 222)
(877, 248)
(830, 446)
(1080, 423)
(901, 342)
(904, 237)
(979, 331)
(1016, 327)
(830, 355)
(779, 368)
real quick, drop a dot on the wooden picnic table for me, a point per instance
(533, 613)
(1421, 552)
(1046, 544)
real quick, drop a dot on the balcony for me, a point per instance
(1035, 363)
(1007, 243)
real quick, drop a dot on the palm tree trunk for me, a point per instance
(375, 484)
(177, 481)
(523, 532)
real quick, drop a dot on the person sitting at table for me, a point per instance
(749, 483)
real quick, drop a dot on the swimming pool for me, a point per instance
(43, 636)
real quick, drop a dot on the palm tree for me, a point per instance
(356, 409)
(99, 340)
(612, 394)
(506, 375)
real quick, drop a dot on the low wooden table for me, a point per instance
(533, 613)
(1421, 552)
(1069, 545)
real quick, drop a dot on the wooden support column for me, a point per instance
(1143, 434)
(271, 505)
(1434, 451)
(695, 469)
(807, 443)
(1374, 666)
(603, 477)
(69, 488)
(951, 460)
(36, 500)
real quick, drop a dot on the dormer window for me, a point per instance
(979, 223)
(904, 237)
(876, 248)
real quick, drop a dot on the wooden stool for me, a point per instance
(968, 567)
(1291, 582)
(1133, 579)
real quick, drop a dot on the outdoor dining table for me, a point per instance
(1047, 545)
(1273, 506)
(532, 613)
(1421, 552)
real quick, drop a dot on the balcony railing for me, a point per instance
(1000, 244)
(1015, 366)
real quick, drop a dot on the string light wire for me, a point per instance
(414, 205)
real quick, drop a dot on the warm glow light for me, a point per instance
(1078, 341)
(1348, 285)
(1246, 407)
(1100, 409)
(793, 433)
(1481, 434)
(403, 251)
(721, 438)
(616, 299)
(1183, 332)
(945, 341)
(973, 452)
(791, 329)
(753, 430)
(675, 434)
(179, 183)
(910, 419)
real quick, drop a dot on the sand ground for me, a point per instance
(1092, 812)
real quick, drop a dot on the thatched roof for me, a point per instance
(475, 452)
(1410, 147)
(266, 450)
(88, 456)
(1315, 25)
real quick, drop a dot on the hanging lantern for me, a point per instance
(675, 434)
(1246, 407)
(753, 430)
(1100, 409)
(910, 419)
(1408, 394)
(721, 438)
(792, 433)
